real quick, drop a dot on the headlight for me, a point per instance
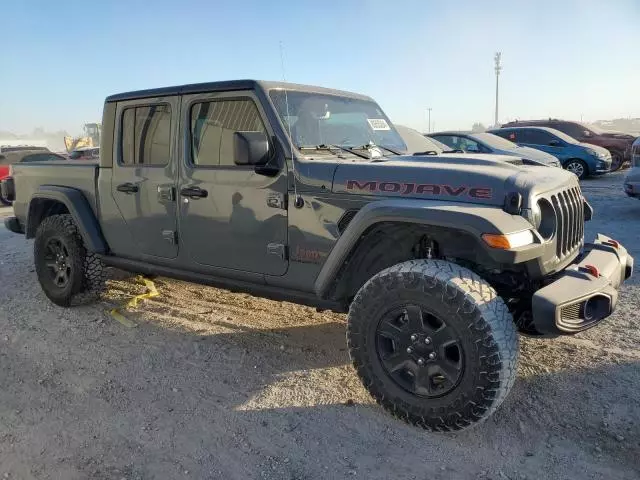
(509, 240)
(547, 225)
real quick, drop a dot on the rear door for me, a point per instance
(144, 175)
(230, 216)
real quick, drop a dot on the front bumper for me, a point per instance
(602, 166)
(586, 292)
(632, 189)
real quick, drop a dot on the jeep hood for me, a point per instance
(448, 178)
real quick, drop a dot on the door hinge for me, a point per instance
(170, 236)
(277, 249)
(277, 200)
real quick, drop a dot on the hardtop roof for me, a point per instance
(526, 127)
(228, 85)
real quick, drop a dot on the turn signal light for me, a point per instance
(510, 240)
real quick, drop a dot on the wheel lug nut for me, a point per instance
(421, 361)
(432, 355)
(427, 340)
(409, 350)
(414, 337)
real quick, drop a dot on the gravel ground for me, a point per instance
(212, 384)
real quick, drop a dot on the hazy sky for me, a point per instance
(564, 58)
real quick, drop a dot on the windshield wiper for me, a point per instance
(369, 146)
(426, 152)
(335, 147)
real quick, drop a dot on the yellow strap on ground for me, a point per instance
(151, 292)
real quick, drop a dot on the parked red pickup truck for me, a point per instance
(618, 143)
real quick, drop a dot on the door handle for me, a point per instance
(127, 187)
(193, 192)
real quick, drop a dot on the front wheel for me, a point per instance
(433, 343)
(578, 168)
(617, 159)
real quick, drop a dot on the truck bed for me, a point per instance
(28, 177)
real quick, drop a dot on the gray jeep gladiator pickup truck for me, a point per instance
(307, 195)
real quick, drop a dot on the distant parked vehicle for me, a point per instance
(11, 155)
(632, 180)
(618, 143)
(418, 144)
(488, 143)
(85, 153)
(580, 158)
(20, 148)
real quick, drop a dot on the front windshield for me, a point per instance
(494, 141)
(319, 119)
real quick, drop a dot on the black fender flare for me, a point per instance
(470, 218)
(79, 208)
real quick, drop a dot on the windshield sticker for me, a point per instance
(378, 124)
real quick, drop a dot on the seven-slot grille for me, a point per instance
(569, 208)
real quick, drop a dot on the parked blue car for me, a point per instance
(470, 142)
(583, 159)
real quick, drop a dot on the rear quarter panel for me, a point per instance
(28, 177)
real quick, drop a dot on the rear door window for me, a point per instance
(572, 129)
(145, 136)
(536, 137)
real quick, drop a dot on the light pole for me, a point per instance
(496, 58)
(429, 128)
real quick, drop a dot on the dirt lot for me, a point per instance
(218, 385)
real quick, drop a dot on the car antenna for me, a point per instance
(298, 201)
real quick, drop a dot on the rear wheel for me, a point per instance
(433, 344)
(66, 271)
(577, 167)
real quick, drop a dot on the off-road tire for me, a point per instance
(87, 272)
(470, 306)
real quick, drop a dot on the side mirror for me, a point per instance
(250, 148)
(554, 143)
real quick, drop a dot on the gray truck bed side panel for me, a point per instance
(28, 177)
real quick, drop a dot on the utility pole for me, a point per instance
(496, 58)
(429, 110)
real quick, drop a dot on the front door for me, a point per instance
(230, 216)
(144, 176)
(542, 140)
